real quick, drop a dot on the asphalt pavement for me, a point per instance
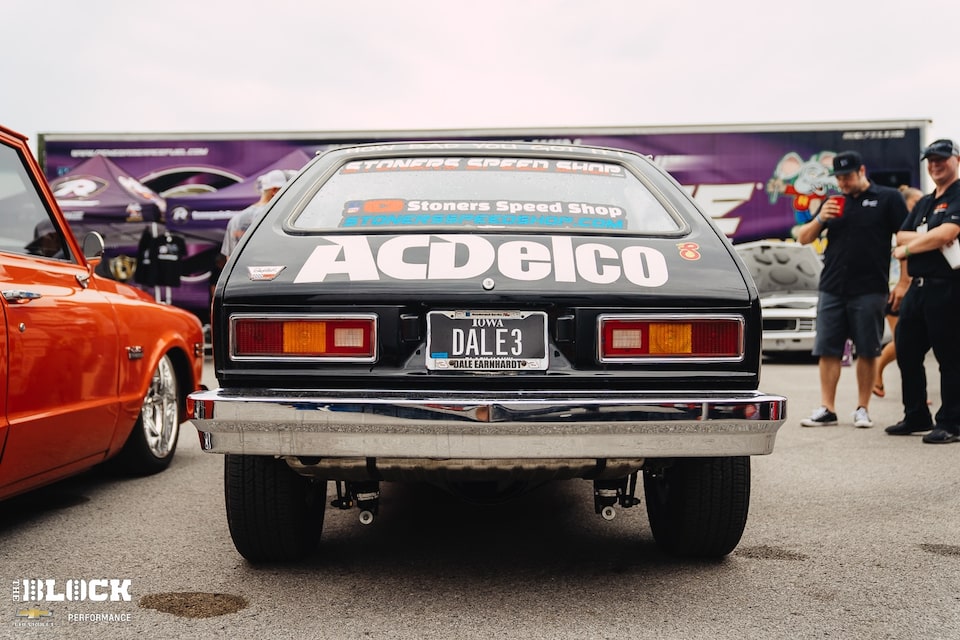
(852, 534)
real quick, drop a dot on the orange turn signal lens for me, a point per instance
(322, 337)
(625, 338)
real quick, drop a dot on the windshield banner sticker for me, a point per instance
(395, 212)
(382, 165)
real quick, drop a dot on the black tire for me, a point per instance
(698, 506)
(274, 514)
(151, 444)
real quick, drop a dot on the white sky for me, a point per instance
(316, 65)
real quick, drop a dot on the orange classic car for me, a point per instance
(91, 369)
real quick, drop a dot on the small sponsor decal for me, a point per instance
(689, 250)
(261, 274)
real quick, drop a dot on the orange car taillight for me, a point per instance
(336, 338)
(642, 338)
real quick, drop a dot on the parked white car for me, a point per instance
(787, 275)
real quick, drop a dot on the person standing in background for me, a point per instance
(268, 185)
(930, 313)
(889, 353)
(854, 283)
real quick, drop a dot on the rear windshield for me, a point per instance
(501, 193)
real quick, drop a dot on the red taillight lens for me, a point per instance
(650, 338)
(326, 337)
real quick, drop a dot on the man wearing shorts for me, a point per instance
(854, 287)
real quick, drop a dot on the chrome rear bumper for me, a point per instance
(483, 425)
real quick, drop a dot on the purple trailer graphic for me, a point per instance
(755, 181)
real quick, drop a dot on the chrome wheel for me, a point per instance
(159, 415)
(153, 438)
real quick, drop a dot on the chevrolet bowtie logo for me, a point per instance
(34, 613)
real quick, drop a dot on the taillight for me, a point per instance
(334, 338)
(635, 338)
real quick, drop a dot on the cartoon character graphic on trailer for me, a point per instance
(808, 182)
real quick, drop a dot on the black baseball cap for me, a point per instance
(846, 162)
(942, 148)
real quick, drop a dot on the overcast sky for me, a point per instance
(302, 65)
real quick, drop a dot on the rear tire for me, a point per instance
(274, 514)
(698, 506)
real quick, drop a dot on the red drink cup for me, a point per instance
(840, 200)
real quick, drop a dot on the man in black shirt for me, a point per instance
(930, 314)
(854, 283)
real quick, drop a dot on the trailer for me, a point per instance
(756, 181)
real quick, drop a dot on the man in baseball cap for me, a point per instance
(272, 180)
(854, 282)
(268, 185)
(846, 162)
(931, 309)
(942, 148)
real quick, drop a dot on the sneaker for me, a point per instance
(903, 428)
(861, 418)
(822, 417)
(941, 436)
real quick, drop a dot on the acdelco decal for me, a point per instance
(463, 257)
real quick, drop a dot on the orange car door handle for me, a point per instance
(18, 296)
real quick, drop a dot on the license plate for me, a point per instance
(487, 340)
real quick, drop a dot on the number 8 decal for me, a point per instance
(689, 250)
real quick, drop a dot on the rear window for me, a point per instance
(498, 193)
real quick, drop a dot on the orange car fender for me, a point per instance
(148, 339)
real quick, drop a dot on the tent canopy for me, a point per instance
(214, 209)
(97, 190)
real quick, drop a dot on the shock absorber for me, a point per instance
(366, 495)
(607, 493)
(343, 501)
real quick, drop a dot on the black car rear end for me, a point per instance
(487, 316)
